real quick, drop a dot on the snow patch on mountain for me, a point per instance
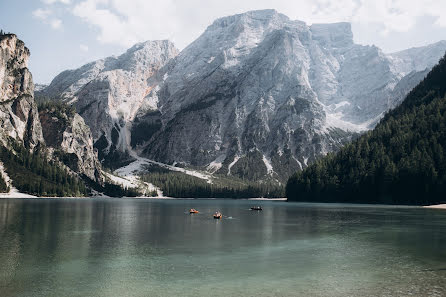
(141, 165)
(236, 158)
(268, 165)
(215, 165)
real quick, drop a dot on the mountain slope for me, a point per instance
(256, 96)
(401, 161)
(26, 160)
(108, 93)
(67, 135)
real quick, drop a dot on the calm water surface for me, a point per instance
(98, 247)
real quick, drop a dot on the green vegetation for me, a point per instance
(111, 189)
(56, 108)
(35, 175)
(402, 161)
(250, 167)
(3, 33)
(3, 186)
(143, 132)
(181, 185)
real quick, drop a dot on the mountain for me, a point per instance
(108, 93)
(401, 161)
(417, 58)
(256, 96)
(18, 111)
(66, 133)
(49, 161)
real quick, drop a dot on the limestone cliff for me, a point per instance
(19, 118)
(66, 133)
(108, 93)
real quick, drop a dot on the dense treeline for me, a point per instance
(3, 186)
(3, 33)
(181, 185)
(402, 161)
(35, 175)
(111, 190)
(57, 108)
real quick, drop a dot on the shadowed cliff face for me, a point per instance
(18, 112)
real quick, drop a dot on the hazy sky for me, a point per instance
(65, 34)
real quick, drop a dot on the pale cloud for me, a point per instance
(399, 15)
(56, 23)
(41, 13)
(83, 47)
(45, 15)
(125, 22)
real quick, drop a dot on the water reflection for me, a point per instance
(81, 247)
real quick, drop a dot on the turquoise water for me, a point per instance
(89, 247)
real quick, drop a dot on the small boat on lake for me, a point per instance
(218, 215)
(256, 208)
(193, 210)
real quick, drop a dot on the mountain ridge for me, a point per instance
(401, 161)
(257, 91)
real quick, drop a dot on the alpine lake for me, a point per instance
(150, 247)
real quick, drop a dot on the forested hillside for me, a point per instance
(34, 174)
(181, 185)
(401, 161)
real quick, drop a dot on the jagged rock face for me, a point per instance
(109, 92)
(418, 58)
(260, 92)
(256, 95)
(67, 133)
(19, 118)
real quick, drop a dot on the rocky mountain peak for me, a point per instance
(108, 93)
(257, 95)
(144, 55)
(418, 58)
(333, 35)
(18, 111)
(14, 60)
(256, 18)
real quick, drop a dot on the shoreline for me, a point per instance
(18, 195)
(436, 206)
(14, 194)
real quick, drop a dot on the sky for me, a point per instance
(65, 34)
